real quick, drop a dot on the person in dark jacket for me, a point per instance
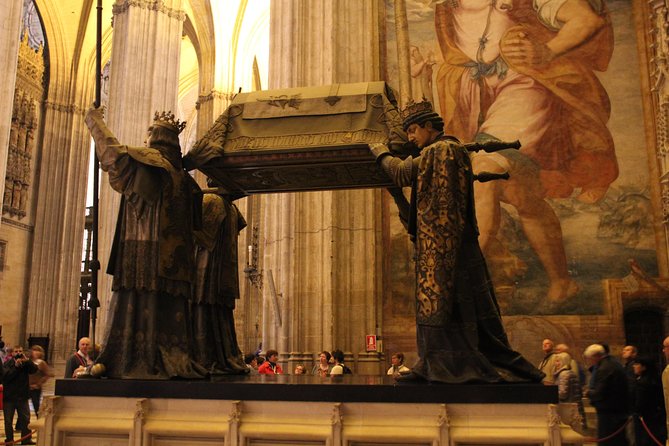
(648, 403)
(17, 393)
(608, 394)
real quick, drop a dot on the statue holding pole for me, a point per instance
(460, 335)
(152, 257)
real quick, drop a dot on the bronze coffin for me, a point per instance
(300, 139)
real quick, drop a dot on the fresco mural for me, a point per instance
(577, 207)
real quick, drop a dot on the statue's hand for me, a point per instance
(92, 115)
(188, 163)
(95, 110)
(378, 149)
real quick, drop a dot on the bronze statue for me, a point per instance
(152, 257)
(460, 334)
(216, 287)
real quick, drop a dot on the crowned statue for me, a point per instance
(152, 261)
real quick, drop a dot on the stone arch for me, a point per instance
(201, 25)
(252, 31)
(87, 67)
(189, 84)
(191, 33)
(56, 51)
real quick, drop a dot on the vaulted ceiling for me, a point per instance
(221, 40)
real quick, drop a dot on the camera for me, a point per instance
(19, 356)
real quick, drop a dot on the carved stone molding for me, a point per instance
(213, 95)
(28, 94)
(236, 412)
(16, 224)
(30, 67)
(141, 407)
(49, 405)
(665, 203)
(444, 423)
(443, 420)
(337, 416)
(67, 108)
(151, 5)
(553, 417)
(658, 60)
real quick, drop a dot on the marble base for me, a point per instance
(351, 388)
(299, 410)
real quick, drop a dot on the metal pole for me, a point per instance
(94, 303)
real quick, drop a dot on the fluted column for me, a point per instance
(144, 78)
(321, 246)
(10, 26)
(59, 223)
(218, 51)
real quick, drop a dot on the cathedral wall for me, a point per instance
(341, 261)
(16, 239)
(319, 246)
(607, 250)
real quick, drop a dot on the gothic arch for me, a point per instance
(202, 24)
(87, 71)
(191, 33)
(253, 35)
(59, 56)
(189, 85)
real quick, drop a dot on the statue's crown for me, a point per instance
(416, 108)
(418, 113)
(167, 120)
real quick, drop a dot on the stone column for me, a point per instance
(217, 54)
(59, 221)
(10, 26)
(144, 78)
(216, 93)
(321, 246)
(209, 107)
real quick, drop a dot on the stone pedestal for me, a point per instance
(300, 410)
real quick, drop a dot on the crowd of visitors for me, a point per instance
(329, 364)
(626, 394)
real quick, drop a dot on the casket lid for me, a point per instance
(298, 139)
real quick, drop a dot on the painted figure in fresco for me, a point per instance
(520, 69)
(152, 257)
(421, 74)
(459, 330)
(217, 285)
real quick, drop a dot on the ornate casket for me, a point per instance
(300, 139)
